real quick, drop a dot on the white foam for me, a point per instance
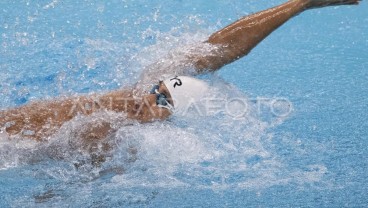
(214, 150)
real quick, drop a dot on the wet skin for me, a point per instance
(39, 120)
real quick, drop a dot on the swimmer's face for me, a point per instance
(154, 111)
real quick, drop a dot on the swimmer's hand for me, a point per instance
(323, 3)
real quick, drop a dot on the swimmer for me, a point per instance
(38, 120)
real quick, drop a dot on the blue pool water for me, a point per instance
(313, 156)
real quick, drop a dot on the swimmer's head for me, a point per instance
(184, 90)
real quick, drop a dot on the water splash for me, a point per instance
(215, 150)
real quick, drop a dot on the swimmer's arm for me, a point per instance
(40, 119)
(240, 37)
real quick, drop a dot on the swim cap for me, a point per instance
(185, 90)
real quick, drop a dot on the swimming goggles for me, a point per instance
(161, 99)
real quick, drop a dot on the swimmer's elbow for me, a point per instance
(219, 57)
